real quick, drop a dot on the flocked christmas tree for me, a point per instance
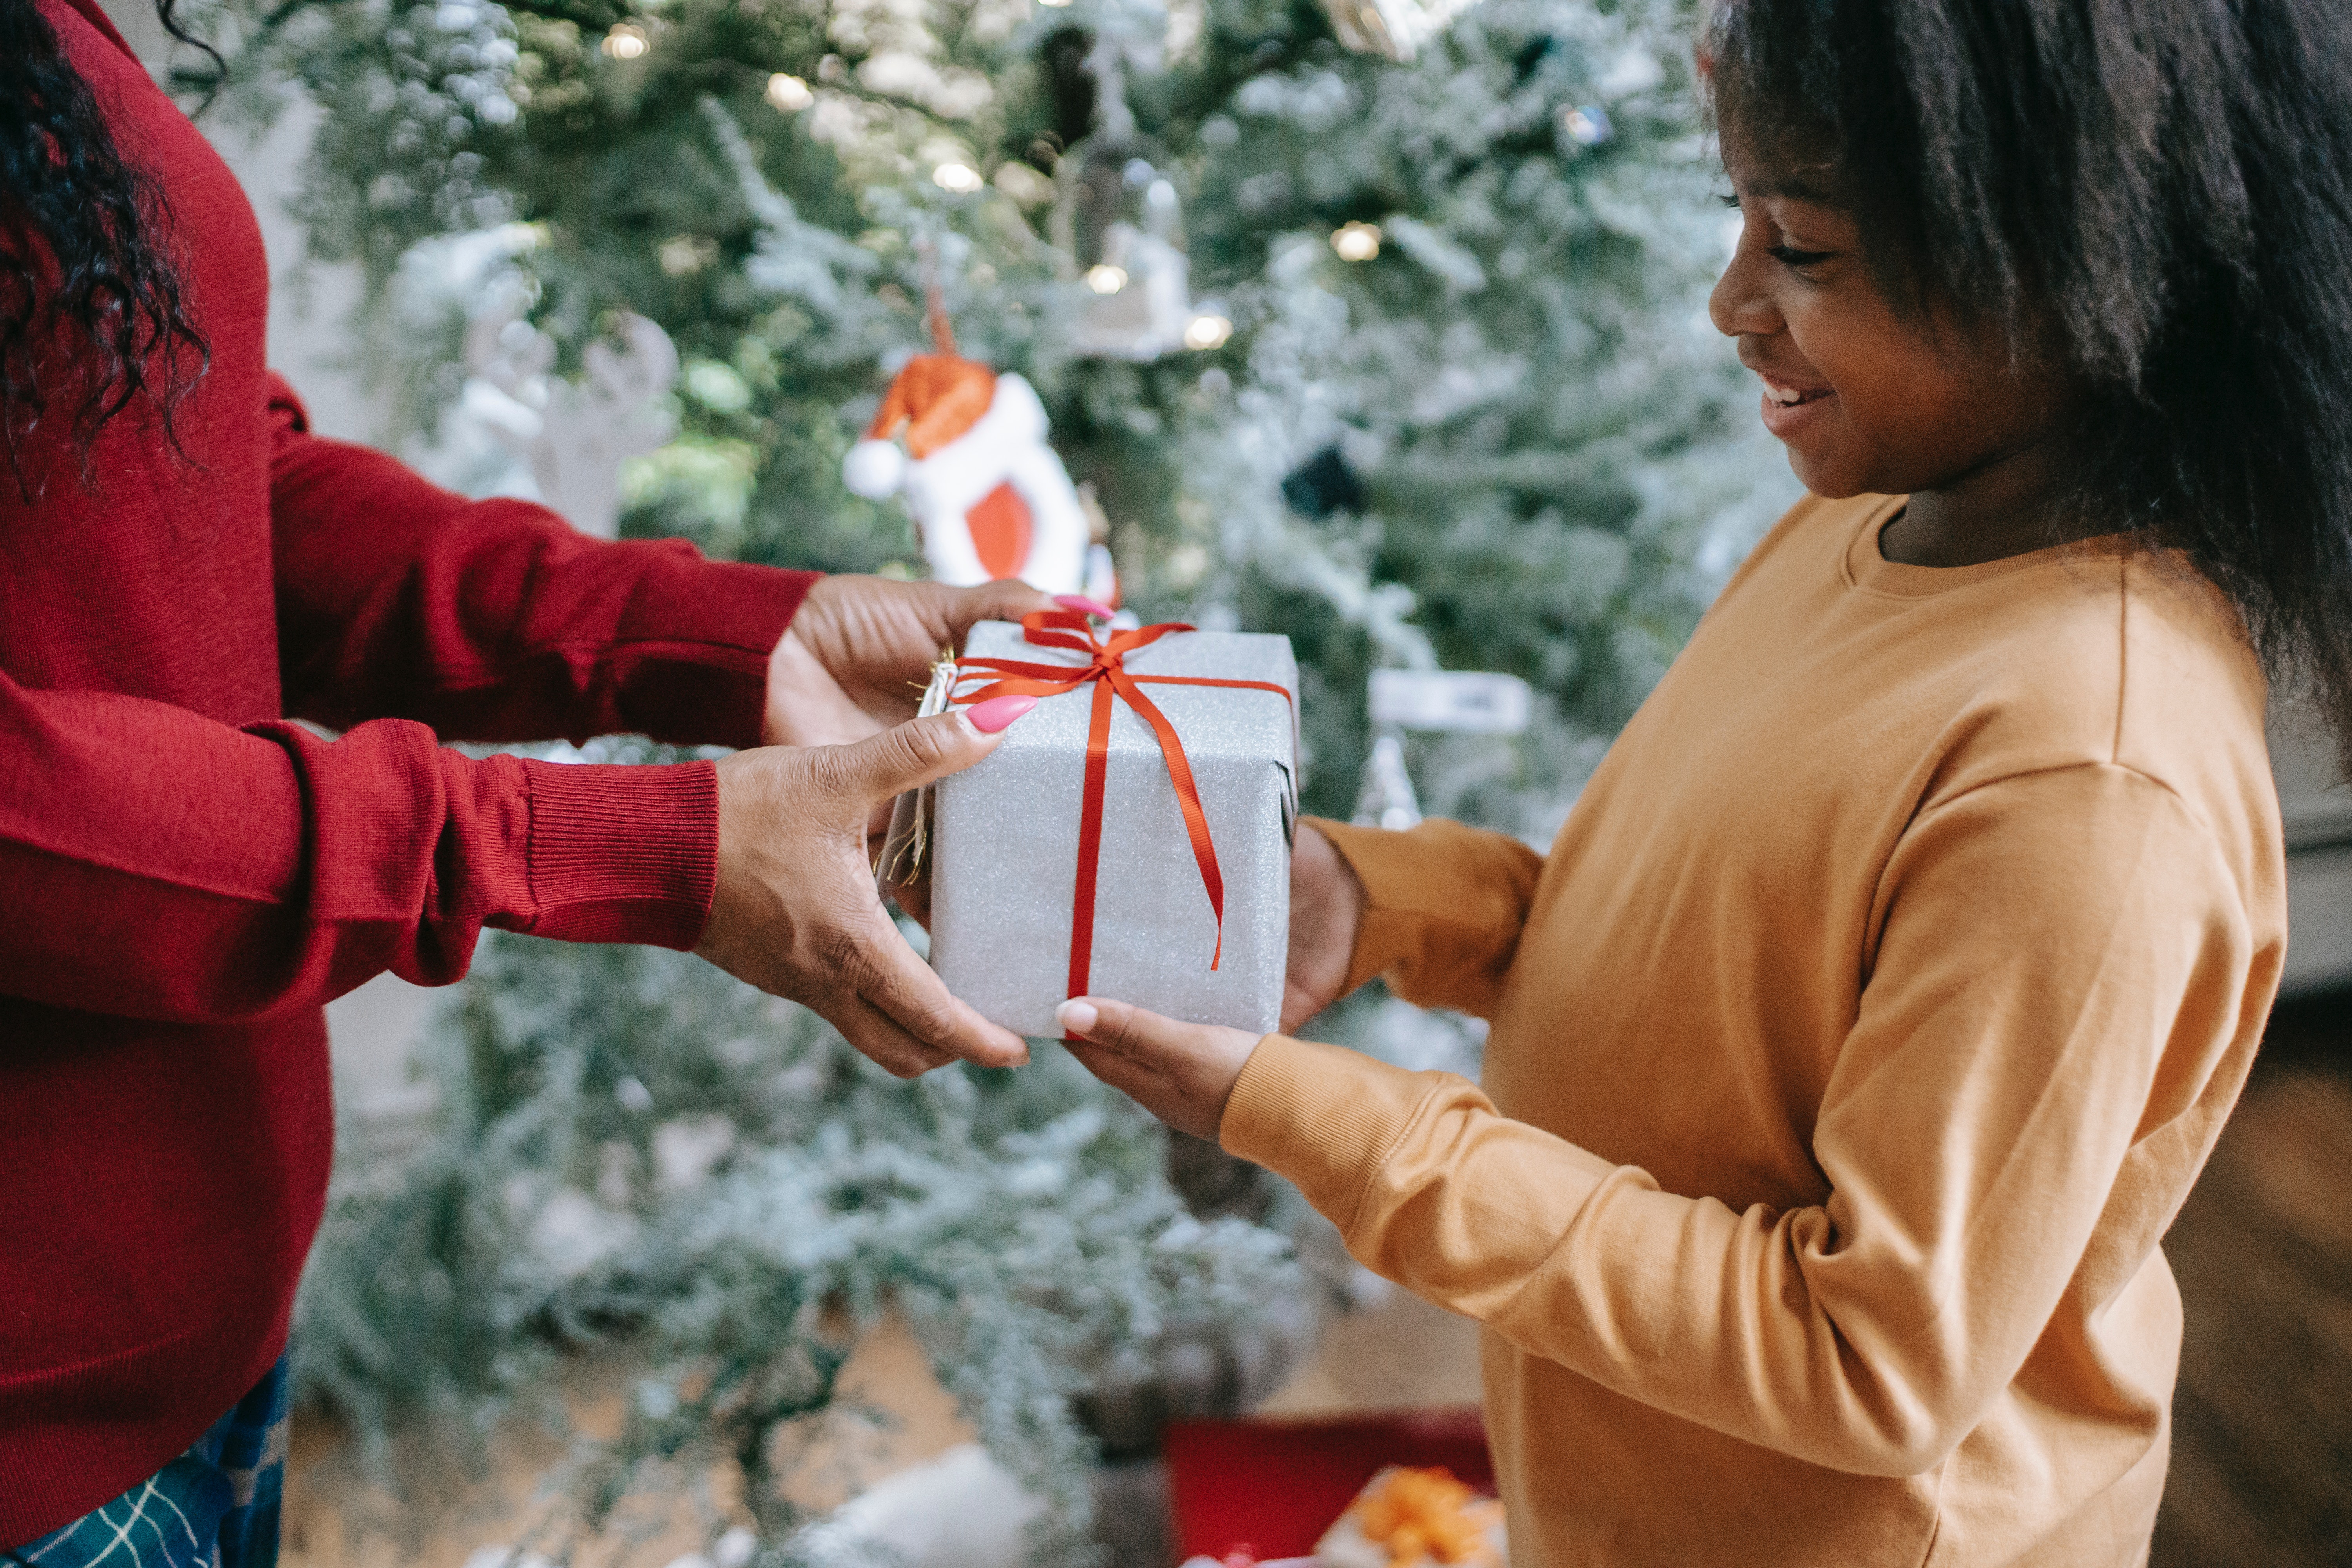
(1376, 328)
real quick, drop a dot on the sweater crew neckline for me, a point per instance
(1864, 565)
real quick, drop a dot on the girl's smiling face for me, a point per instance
(1869, 398)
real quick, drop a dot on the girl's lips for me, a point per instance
(1787, 420)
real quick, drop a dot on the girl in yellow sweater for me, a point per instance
(1881, 998)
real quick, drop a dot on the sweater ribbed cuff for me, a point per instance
(1323, 1116)
(1389, 933)
(622, 854)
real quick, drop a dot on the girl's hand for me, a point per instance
(1327, 905)
(1181, 1073)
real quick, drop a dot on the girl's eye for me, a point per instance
(1788, 256)
(1728, 198)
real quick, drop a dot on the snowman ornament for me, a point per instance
(965, 447)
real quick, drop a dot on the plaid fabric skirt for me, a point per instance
(215, 1506)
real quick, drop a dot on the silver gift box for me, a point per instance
(1004, 842)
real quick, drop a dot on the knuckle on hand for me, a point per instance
(846, 957)
(828, 773)
(1117, 1027)
(931, 1022)
(928, 743)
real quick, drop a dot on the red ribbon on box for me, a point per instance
(1107, 674)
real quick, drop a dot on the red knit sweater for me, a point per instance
(185, 876)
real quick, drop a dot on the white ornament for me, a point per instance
(1004, 449)
(574, 435)
(1007, 447)
(1139, 303)
(1142, 305)
(596, 424)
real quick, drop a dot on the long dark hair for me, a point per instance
(92, 316)
(2158, 191)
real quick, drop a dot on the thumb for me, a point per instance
(923, 750)
(1120, 1026)
(1006, 599)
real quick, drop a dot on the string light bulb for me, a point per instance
(961, 178)
(1357, 241)
(1105, 279)
(626, 41)
(1207, 330)
(789, 92)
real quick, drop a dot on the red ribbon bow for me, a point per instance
(1105, 671)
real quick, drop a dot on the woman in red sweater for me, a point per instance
(189, 874)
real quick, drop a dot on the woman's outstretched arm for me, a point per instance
(496, 620)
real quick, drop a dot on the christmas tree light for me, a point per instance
(1357, 241)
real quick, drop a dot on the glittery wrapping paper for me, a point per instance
(1005, 843)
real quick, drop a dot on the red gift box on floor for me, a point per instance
(1276, 1486)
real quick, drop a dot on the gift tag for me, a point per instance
(905, 861)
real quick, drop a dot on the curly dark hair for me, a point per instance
(2160, 192)
(92, 316)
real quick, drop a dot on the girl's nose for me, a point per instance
(1740, 306)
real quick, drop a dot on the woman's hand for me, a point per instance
(858, 653)
(796, 912)
(1181, 1073)
(1327, 905)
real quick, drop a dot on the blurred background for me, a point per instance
(1378, 323)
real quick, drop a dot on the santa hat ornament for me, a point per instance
(989, 497)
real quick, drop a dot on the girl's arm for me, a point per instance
(1443, 907)
(2063, 968)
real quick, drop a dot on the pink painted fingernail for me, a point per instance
(1080, 603)
(997, 712)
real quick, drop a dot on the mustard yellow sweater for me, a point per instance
(1852, 1048)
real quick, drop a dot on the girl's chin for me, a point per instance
(1811, 431)
(1821, 475)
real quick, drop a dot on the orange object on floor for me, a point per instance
(1419, 1513)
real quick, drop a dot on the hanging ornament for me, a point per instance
(573, 435)
(1141, 303)
(1121, 220)
(1392, 28)
(966, 448)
